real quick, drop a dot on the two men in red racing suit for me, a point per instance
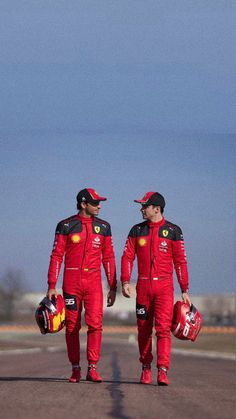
(158, 244)
(85, 241)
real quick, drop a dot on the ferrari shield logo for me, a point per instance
(97, 229)
(165, 233)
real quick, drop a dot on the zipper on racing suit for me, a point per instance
(85, 245)
(151, 253)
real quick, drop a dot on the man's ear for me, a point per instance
(83, 205)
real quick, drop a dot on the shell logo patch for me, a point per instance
(75, 238)
(165, 233)
(142, 242)
(97, 229)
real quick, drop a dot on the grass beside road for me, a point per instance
(31, 338)
(208, 342)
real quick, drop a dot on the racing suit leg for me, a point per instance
(93, 305)
(73, 305)
(163, 312)
(144, 313)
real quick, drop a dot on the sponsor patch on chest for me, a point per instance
(142, 242)
(75, 238)
(96, 242)
(163, 246)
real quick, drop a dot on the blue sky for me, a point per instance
(125, 97)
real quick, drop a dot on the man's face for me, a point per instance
(148, 212)
(92, 209)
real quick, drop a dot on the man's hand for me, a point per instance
(126, 290)
(186, 298)
(111, 296)
(51, 292)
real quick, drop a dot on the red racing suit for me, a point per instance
(86, 243)
(158, 246)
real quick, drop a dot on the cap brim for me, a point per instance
(96, 201)
(101, 198)
(139, 201)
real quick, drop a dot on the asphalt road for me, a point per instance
(34, 385)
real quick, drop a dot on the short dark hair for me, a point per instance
(162, 209)
(79, 206)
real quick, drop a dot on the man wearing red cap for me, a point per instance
(85, 241)
(158, 245)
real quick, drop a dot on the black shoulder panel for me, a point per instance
(170, 231)
(101, 227)
(69, 225)
(141, 229)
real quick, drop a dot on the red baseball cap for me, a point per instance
(152, 198)
(89, 195)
